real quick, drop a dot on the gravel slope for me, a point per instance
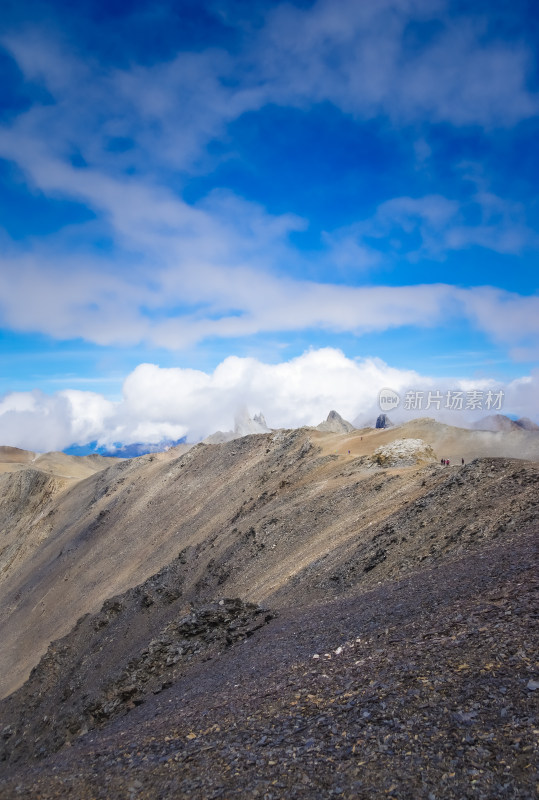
(423, 688)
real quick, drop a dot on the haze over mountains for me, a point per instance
(244, 425)
(499, 422)
(151, 547)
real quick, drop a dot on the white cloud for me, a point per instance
(440, 225)
(89, 413)
(357, 55)
(297, 392)
(179, 273)
(505, 316)
(177, 306)
(170, 403)
(41, 422)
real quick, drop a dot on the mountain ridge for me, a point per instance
(232, 583)
(241, 503)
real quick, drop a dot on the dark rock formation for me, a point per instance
(137, 645)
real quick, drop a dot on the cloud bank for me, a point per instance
(160, 404)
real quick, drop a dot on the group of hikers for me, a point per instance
(445, 462)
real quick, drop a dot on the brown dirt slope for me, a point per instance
(14, 455)
(275, 518)
(12, 459)
(447, 441)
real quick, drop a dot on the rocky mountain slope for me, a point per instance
(323, 537)
(244, 425)
(414, 688)
(260, 517)
(31, 485)
(86, 679)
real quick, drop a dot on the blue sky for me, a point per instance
(184, 183)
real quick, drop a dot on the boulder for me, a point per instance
(404, 453)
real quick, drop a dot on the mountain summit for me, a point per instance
(335, 424)
(244, 425)
(500, 422)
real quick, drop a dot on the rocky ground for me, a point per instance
(381, 642)
(138, 645)
(420, 688)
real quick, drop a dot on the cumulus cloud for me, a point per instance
(290, 394)
(166, 404)
(41, 422)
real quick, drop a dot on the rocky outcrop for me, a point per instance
(136, 646)
(383, 421)
(335, 424)
(244, 425)
(404, 452)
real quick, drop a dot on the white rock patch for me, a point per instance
(403, 452)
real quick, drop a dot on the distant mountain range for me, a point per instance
(119, 450)
(245, 425)
(500, 422)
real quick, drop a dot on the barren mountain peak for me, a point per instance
(335, 424)
(496, 422)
